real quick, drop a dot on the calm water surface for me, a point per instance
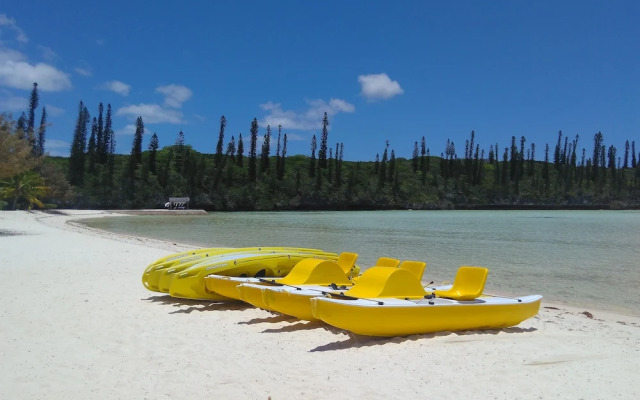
(582, 258)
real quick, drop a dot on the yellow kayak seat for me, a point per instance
(416, 267)
(315, 272)
(467, 285)
(387, 262)
(387, 282)
(347, 261)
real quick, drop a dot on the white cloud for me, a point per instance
(22, 75)
(53, 110)
(11, 24)
(128, 130)
(378, 86)
(17, 72)
(10, 103)
(117, 87)
(308, 119)
(56, 147)
(7, 55)
(294, 137)
(58, 143)
(48, 53)
(152, 113)
(175, 95)
(83, 71)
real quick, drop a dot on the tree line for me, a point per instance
(235, 177)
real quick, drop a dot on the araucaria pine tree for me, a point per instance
(264, 155)
(322, 153)
(91, 147)
(136, 148)
(78, 147)
(312, 160)
(136, 157)
(106, 148)
(253, 150)
(240, 152)
(278, 151)
(598, 154)
(153, 150)
(100, 145)
(231, 149)
(33, 104)
(220, 145)
(42, 132)
(281, 166)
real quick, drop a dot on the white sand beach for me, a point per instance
(76, 323)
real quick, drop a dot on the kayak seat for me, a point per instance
(347, 262)
(416, 267)
(387, 282)
(467, 285)
(387, 262)
(311, 271)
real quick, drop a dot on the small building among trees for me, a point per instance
(177, 203)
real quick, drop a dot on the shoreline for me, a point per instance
(78, 323)
(621, 308)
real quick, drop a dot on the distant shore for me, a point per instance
(160, 211)
(479, 207)
(77, 323)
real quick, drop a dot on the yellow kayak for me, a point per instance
(399, 317)
(163, 269)
(392, 303)
(318, 271)
(295, 300)
(175, 257)
(190, 283)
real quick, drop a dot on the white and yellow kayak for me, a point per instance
(163, 268)
(164, 277)
(341, 270)
(302, 276)
(391, 303)
(294, 300)
(190, 283)
(399, 317)
(176, 257)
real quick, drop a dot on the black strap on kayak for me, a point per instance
(336, 287)
(344, 296)
(270, 281)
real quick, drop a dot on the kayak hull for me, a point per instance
(190, 283)
(395, 317)
(307, 271)
(296, 303)
(157, 276)
(252, 294)
(227, 285)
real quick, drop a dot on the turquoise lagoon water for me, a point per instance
(581, 258)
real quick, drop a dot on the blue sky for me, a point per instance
(382, 70)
